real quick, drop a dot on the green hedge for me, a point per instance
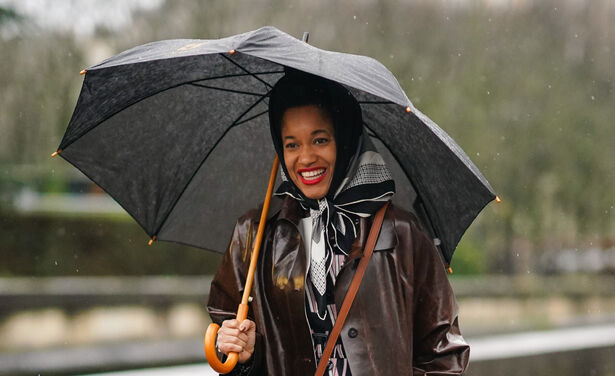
(41, 245)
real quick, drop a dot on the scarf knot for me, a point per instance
(367, 185)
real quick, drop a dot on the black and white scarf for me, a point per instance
(366, 186)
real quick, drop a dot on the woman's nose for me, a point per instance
(307, 155)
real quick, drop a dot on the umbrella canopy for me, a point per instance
(176, 132)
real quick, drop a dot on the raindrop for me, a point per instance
(488, 92)
(458, 53)
(549, 86)
(56, 262)
(593, 98)
(354, 17)
(478, 154)
(517, 254)
(576, 35)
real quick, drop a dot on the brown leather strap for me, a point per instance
(352, 290)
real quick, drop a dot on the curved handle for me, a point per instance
(212, 354)
(242, 310)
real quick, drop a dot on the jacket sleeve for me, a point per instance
(439, 348)
(227, 289)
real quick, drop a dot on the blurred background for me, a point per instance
(525, 88)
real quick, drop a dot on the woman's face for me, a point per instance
(309, 149)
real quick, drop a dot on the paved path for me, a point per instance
(487, 348)
(541, 342)
(190, 370)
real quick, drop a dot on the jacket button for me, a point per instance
(352, 332)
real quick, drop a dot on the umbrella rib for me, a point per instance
(237, 122)
(238, 75)
(247, 71)
(229, 90)
(250, 118)
(375, 102)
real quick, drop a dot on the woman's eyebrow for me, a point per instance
(319, 131)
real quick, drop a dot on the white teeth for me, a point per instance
(312, 174)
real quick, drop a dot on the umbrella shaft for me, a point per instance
(259, 237)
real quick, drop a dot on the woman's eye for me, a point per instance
(290, 145)
(321, 140)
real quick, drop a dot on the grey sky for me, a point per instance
(79, 16)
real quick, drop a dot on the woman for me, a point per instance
(404, 318)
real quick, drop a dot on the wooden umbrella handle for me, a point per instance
(210, 345)
(242, 310)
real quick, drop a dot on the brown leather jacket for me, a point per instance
(403, 320)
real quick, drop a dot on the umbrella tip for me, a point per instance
(306, 36)
(231, 52)
(408, 109)
(498, 199)
(82, 72)
(449, 269)
(55, 153)
(152, 240)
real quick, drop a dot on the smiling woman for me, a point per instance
(333, 183)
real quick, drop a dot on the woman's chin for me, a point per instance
(313, 192)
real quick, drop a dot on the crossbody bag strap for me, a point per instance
(352, 290)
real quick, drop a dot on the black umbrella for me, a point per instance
(176, 132)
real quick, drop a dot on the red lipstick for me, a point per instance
(314, 180)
